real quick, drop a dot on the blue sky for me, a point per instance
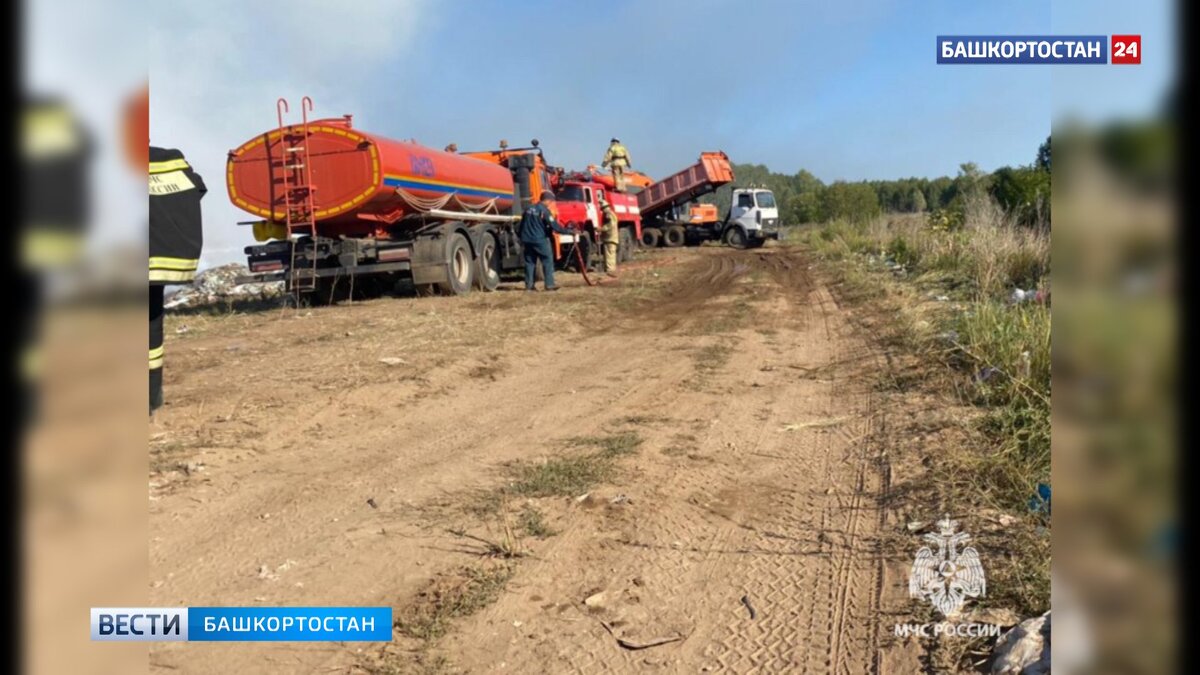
(847, 90)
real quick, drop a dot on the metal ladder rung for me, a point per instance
(294, 166)
(298, 148)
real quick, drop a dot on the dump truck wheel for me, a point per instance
(674, 236)
(735, 237)
(625, 246)
(460, 266)
(651, 237)
(487, 273)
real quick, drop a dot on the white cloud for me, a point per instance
(216, 69)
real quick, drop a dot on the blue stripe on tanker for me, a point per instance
(469, 192)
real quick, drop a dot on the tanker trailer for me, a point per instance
(336, 204)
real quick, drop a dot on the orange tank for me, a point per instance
(363, 183)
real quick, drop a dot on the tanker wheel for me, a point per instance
(460, 266)
(674, 236)
(625, 246)
(651, 237)
(735, 237)
(487, 273)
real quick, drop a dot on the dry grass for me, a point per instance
(450, 597)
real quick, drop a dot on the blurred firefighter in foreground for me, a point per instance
(611, 236)
(617, 159)
(55, 151)
(175, 240)
(536, 225)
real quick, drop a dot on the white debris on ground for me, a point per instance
(1024, 650)
(219, 284)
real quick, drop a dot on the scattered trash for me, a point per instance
(393, 361)
(943, 298)
(581, 498)
(182, 329)
(619, 499)
(986, 374)
(830, 422)
(219, 284)
(749, 607)
(1040, 502)
(1024, 366)
(596, 600)
(371, 503)
(916, 525)
(1024, 650)
(634, 645)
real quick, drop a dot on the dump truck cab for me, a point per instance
(753, 218)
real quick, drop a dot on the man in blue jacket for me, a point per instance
(536, 225)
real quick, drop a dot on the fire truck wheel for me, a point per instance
(651, 237)
(674, 236)
(460, 266)
(487, 273)
(625, 246)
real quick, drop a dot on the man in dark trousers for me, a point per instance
(175, 239)
(536, 225)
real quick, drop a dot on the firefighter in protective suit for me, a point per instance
(175, 239)
(610, 235)
(617, 159)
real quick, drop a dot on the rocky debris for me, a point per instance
(219, 284)
(1024, 650)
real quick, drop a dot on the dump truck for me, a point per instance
(672, 218)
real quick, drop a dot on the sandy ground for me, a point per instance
(339, 456)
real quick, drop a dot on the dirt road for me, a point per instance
(693, 452)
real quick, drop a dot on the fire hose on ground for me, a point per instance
(582, 264)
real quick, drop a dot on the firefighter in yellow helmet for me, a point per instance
(617, 158)
(610, 235)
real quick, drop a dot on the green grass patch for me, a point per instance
(533, 523)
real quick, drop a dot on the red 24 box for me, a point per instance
(1127, 49)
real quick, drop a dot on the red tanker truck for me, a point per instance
(337, 204)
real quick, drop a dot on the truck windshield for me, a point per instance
(766, 200)
(570, 193)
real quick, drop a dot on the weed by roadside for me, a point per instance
(450, 597)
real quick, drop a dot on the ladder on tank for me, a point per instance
(299, 207)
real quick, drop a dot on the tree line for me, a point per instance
(1024, 191)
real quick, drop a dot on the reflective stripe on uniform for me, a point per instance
(169, 165)
(43, 247)
(165, 263)
(172, 275)
(173, 269)
(156, 358)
